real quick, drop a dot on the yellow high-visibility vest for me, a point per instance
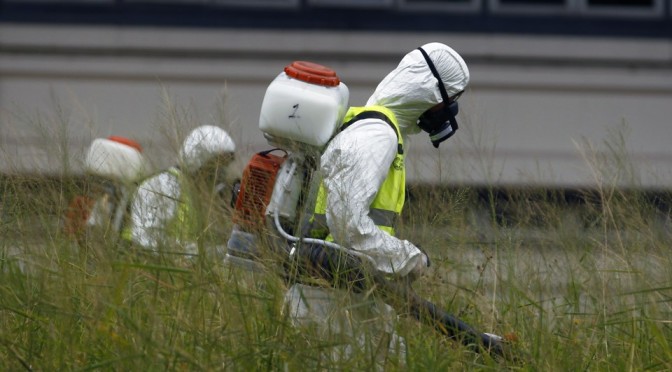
(184, 226)
(389, 201)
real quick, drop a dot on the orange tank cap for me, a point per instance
(126, 141)
(312, 73)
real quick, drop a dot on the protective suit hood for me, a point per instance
(203, 144)
(410, 89)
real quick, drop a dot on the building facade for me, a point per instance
(565, 93)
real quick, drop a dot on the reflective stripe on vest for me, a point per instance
(389, 201)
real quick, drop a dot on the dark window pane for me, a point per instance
(352, 3)
(168, 1)
(438, 1)
(622, 3)
(532, 2)
(62, 1)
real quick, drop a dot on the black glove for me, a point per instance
(429, 263)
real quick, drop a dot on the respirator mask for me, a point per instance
(439, 123)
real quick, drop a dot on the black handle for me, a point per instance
(403, 297)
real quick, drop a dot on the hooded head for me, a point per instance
(412, 88)
(203, 144)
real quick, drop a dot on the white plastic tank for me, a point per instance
(116, 158)
(305, 103)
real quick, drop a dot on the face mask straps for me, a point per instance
(440, 124)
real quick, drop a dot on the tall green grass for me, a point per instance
(577, 279)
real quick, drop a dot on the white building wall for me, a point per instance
(534, 106)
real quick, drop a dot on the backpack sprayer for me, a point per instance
(301, 111)
(120, 164)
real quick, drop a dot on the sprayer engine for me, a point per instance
(271, 185)
(269, 200)
(256, 190)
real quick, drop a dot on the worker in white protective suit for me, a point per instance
(363, 191)
(169, 210)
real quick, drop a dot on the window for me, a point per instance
(531, 6)
(626, 8)
(532, 2)
(62, 1)
(264, 3)
(623, 3)
(441, 5)
(251, 3)
(168, 1)
(353, 3)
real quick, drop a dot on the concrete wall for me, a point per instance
(536, 110)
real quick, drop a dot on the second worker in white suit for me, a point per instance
(167, 214)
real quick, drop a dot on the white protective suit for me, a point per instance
(354, 166)
(157, 199)
(356, 161)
